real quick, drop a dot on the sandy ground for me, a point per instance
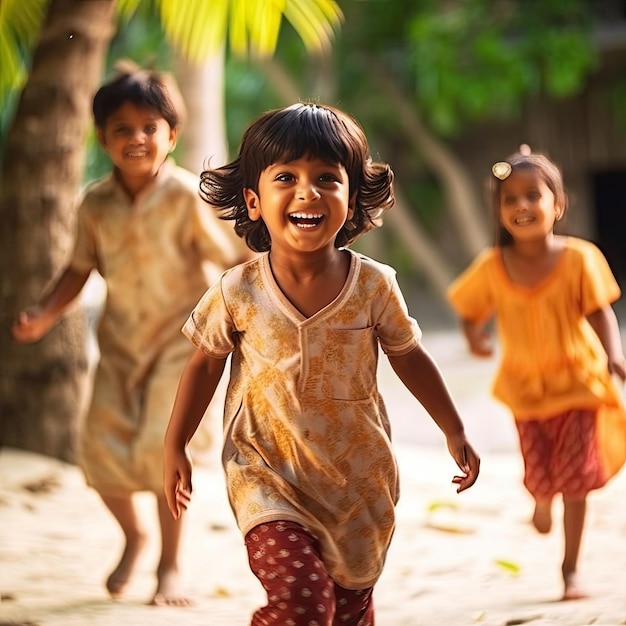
(455, 560)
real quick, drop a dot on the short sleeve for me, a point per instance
(85, 255)
(397, 332)
(471, 295)
(214, 239)
(599, 286)
(210, 326)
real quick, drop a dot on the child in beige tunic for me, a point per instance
(146, 231)
(310, 471)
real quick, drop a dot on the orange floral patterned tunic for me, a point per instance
(307, 437)
(552, 361)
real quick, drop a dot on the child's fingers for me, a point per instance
(469, 462)
(176, 496)
(183, 496)
(170, 497)
(464, 482)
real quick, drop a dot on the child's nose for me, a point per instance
(138, 136)
(307, 191)
(521, 204)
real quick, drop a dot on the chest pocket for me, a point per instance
(350, 361)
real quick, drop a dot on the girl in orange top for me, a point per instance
(559, 340)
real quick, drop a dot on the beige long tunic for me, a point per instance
(150, 253)
(306, 432)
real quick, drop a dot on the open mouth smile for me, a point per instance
(522, 220)
(306, 220)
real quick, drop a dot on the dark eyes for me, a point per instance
(286, 177)
(126, 130)
(533, 196)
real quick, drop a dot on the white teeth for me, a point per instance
(524, 220)
(137, 154)
(307, 216)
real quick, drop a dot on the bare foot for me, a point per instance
(120, 576)
(169, 590)
(572, 590)
(542, 517)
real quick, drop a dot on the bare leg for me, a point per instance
(542, 517)
(169, 585)
(573, 524)
(124, 511)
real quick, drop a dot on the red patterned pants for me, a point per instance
(286, 559)
(561, 455)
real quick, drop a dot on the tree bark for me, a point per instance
(463, 202)
(44, 386)
(203, 140)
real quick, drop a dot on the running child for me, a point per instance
(145, 229)
(311, 476)
(551, 297)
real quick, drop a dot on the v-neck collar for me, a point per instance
(291, 311)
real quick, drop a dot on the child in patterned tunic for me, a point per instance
(310, 471)
(560, 344)
(145, 229)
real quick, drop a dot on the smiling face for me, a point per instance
(138, 140)
(527, 206)
(304, 203)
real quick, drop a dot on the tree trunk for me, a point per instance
(203, 140)
(43, 387)
(463, 201)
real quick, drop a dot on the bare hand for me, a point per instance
(177, 470)
(467, 460)
(31, 325)
(480, 343)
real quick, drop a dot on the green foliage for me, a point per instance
(20, 21)
(199, 28)
(481, 59)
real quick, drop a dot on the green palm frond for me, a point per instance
(20, 21)
(199, 28)
(127, 7)
(314, 21)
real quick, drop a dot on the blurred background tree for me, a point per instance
(44, 386)
(441, 87)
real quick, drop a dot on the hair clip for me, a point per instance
(501, 170)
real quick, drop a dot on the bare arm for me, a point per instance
(34, 323)
(196, 388)
(478, 339)
(604, 323)
(422, 377)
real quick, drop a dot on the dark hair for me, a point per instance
(283, 135)
(525, 160)
(143, 88)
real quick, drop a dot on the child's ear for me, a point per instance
(253, 204)
(100, 136)
(351, 206)
(560, 210)
(173, 137)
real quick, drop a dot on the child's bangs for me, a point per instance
(311, 132)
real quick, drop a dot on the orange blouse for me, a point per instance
(551, 358)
